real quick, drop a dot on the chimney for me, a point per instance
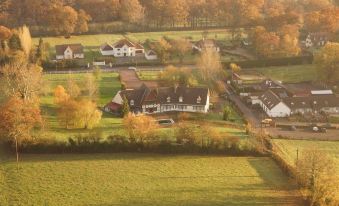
(175, 88)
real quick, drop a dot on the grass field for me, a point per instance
(289, 148)
(141, 179)
(108, 87)
(94, 41)
(290, 74)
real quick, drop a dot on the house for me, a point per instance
(69, 51)
(273, 105)
(206, 44)
(151, 55)
(164, 99)
(316, 39)
(328, 104)
(122, 48)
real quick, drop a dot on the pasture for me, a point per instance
(288, 148)
(143, 179)
(94, 41)
(289, 74)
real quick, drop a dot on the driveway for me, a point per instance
(131, 80)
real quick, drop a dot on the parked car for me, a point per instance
(323, 130)
(267, 122)
(165, 122)
(132, 68)
(293, 128)
(315, 129)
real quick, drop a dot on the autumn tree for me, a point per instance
(140, 128)
(316, 172)
(18, 119)
(325, 20)
(25, 39)
(132, 11)
(90, 115)
(209, 65)
(162, 48)
(173, 76)
(125, 107)
(72, 88)
(176, 11)
(181, 47)
(60, 95)
(21, 78)
(327, 61)
(82, 22)
(91, 87)
(5, 33)
(64, 19)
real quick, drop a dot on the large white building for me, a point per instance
(164, 99)
(122, 48)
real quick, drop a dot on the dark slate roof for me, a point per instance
(270, 99)
(146, 95)
(76, 48)
(106, 47)
(315, 102)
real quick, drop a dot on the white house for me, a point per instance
(206, 44)
(122, 48)
(151, 55)
(273, 105)
(69, 51)
(164, 99)
(317, 39)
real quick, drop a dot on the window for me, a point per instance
(199, 100)
(181, 99)
(168, 99)
(132, 102)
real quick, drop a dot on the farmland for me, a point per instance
(142, 179)
(94, 41)
(288, 148)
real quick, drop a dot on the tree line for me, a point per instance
(72, 16)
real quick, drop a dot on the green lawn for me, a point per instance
(108, 87)
(142, 179)
(288, 148)
(94, 41)
(290, 74)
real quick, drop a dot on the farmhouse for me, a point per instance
(122, 48)
(317, 39)
(69, 51)
(164, 99)
(273, 105)
(151, 55)
(206, 44)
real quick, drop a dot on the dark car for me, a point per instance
(323, 130)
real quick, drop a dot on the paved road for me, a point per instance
(249, 115)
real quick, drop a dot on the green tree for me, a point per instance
(125, 107)
(227, 113)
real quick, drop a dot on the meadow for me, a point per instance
(289, 74)
(94, 41)
(144, 179)
(288, 148)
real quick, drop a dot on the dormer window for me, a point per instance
(199, 100)
(132, 103)
(181, 99)
(168, 99)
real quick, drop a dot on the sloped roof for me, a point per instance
(121, 43)
(189, 95)
(76, 48)
(270, 99)
(315, 102)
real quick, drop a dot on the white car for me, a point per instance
(165, 122)
(132, 68)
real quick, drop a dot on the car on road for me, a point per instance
(293, 128)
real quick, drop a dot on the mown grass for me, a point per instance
(142, 179)
(94, 41)
(108, 86)
(290, 74)
(288, 148)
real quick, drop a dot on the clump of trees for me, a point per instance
(327, 61)
(174, 76)
(317, 173)
(74, 111)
